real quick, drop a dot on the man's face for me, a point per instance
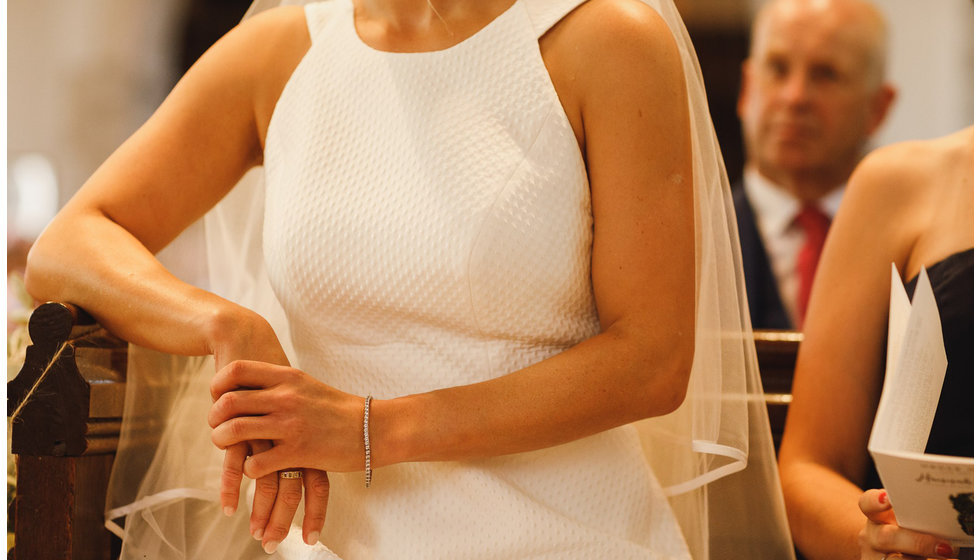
(807, 100)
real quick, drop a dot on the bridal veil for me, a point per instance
(713, 456)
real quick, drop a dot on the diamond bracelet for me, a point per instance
(367, 443)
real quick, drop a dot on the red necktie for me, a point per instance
(815, 225)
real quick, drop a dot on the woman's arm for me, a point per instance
(98, 251)
(839, 372)
(628, 96)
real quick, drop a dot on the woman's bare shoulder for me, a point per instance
(910, 168)
(611, 53)
(259, 55)
(258, 52)
(896, 193)
(611, 48)
(615, 28)
(266, 38)
(276, 22)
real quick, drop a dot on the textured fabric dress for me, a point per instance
(428, 224)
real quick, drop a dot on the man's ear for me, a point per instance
(881, 104)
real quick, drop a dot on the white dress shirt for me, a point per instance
(775, 212)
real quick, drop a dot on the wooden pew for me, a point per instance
(777, 359)
(65, 435)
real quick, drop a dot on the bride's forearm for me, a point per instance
(85, 259)
(604, 382)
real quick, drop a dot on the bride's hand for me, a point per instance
(276, 500)
(310, 425)
(882, 538)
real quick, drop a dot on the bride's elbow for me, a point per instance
(672, 390)
(667, 374)
(38, 275)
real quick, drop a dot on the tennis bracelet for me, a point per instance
(367, 442)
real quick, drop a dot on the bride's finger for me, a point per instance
(275, 458)
(266, 490)
(231, 477)
(243, 402)
(246, 428)
(245, 374)
(287, 502)
(317, 487)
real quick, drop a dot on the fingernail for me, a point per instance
(270, 547)
(257, 534)
(229, 511)
(883, 497)
(312, 538)
(944, 550)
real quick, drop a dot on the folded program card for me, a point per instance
(930, 493)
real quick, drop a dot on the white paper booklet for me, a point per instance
(930, 493)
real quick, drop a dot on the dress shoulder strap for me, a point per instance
(544, 14)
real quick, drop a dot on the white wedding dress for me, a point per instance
(426, 223)
(431, 230)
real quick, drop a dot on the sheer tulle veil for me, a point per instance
(714, 455)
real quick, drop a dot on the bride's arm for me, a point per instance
(98, 252)
(619, 76)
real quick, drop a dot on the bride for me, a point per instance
(474, 259)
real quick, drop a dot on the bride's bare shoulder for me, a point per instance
(270, 38)
(613, 48)
(258, 56)
(614, 26)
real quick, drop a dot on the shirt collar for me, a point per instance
(775, 209)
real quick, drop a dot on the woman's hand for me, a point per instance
(882, 538)
(277, 499)
(237, 334)
(308, 424)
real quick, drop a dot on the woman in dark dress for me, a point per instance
(910, 204)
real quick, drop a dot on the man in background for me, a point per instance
(813, 93)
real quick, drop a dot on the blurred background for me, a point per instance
(83, 75)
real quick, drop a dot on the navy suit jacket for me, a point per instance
(765, 305)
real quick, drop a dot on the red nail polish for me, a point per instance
(944, 550)
(883, 497)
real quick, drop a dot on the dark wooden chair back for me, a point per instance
(65, 408)
(777, 359)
